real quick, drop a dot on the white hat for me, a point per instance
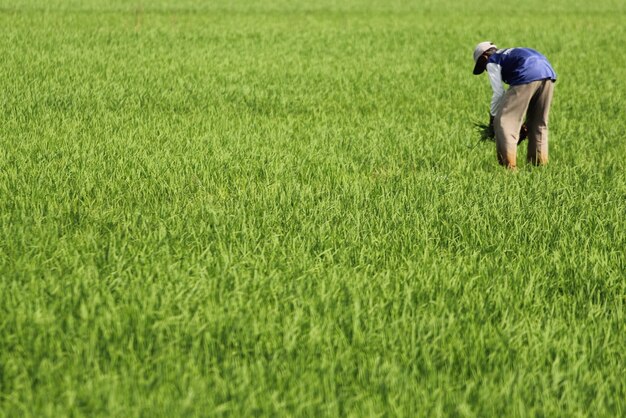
(479, 50)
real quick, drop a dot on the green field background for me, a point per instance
(283, 208)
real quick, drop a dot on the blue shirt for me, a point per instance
(522, 66)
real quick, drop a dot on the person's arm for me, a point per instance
(495, 77)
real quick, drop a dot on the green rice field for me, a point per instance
(284, 208)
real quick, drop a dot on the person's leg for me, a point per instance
(537, 122)
(508, 122)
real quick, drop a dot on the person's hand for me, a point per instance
(490, 130)
(523, 133)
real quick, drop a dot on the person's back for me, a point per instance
(522, 66)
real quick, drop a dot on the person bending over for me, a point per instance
(531, 81)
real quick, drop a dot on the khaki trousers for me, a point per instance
(533, 100)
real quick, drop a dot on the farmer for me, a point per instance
(531, 80)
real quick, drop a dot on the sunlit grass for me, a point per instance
(283, 208)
